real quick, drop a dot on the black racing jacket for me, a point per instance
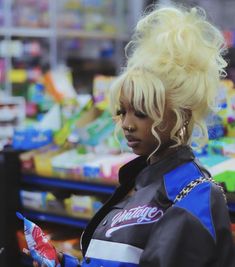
(150, 228)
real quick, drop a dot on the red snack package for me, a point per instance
(38, 244)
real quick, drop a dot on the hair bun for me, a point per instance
(179, 39)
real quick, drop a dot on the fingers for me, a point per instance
(35, 264)
(26, 251)
(60, 256)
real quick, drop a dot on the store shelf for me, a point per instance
(33, 179)
(27, 32)
(91, 35)
(46, 217)
(46, 33)
(22, 20)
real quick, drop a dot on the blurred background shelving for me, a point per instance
(39, 35)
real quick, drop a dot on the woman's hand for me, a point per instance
(36, 264)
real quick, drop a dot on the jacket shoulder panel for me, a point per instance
(197, 202)
(179, 177)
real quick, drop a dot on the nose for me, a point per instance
(128, 123)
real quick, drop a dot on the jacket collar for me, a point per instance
(130, 172)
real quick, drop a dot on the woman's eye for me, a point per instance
(140, 114)
(120, 112)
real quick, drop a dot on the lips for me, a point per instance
(132, 141)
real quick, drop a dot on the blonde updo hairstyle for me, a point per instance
(174, 60)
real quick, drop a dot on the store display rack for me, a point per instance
(64, 184)
(69, 33)
(95, 187)
(53, 218)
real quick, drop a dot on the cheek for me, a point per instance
(150, 139)
(148, 132)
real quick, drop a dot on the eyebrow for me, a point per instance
(122, 104)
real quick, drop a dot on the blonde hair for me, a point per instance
(174, 59)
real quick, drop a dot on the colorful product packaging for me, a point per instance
(38, 244)
(223, 146)
(70, 164)
(96, 131)
(31, 138)
(43, 159)
(101, 87)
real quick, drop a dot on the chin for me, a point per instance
(140, 152)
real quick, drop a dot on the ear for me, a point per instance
(188, 114)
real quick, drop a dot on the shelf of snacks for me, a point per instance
(91, 163)
(96, 185)
(57, 23)
(91, 35)
(68, 33)
(81, 205)
(53, 218)
(12, 115)
(104, 16)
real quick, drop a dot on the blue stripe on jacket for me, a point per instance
(197, 202)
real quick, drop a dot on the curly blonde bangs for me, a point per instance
(185, 53)
(143, 90)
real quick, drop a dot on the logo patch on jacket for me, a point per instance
(134, 216)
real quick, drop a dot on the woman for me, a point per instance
(167, 211)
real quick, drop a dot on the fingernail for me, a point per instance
(25, 250)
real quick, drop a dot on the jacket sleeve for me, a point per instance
(180, 239)
(225, 247)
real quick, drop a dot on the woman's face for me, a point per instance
(137, 128)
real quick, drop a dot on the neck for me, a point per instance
(162, 153)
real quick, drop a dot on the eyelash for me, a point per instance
(120, 112)
(138, 114)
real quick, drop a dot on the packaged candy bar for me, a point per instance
(38, 244)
